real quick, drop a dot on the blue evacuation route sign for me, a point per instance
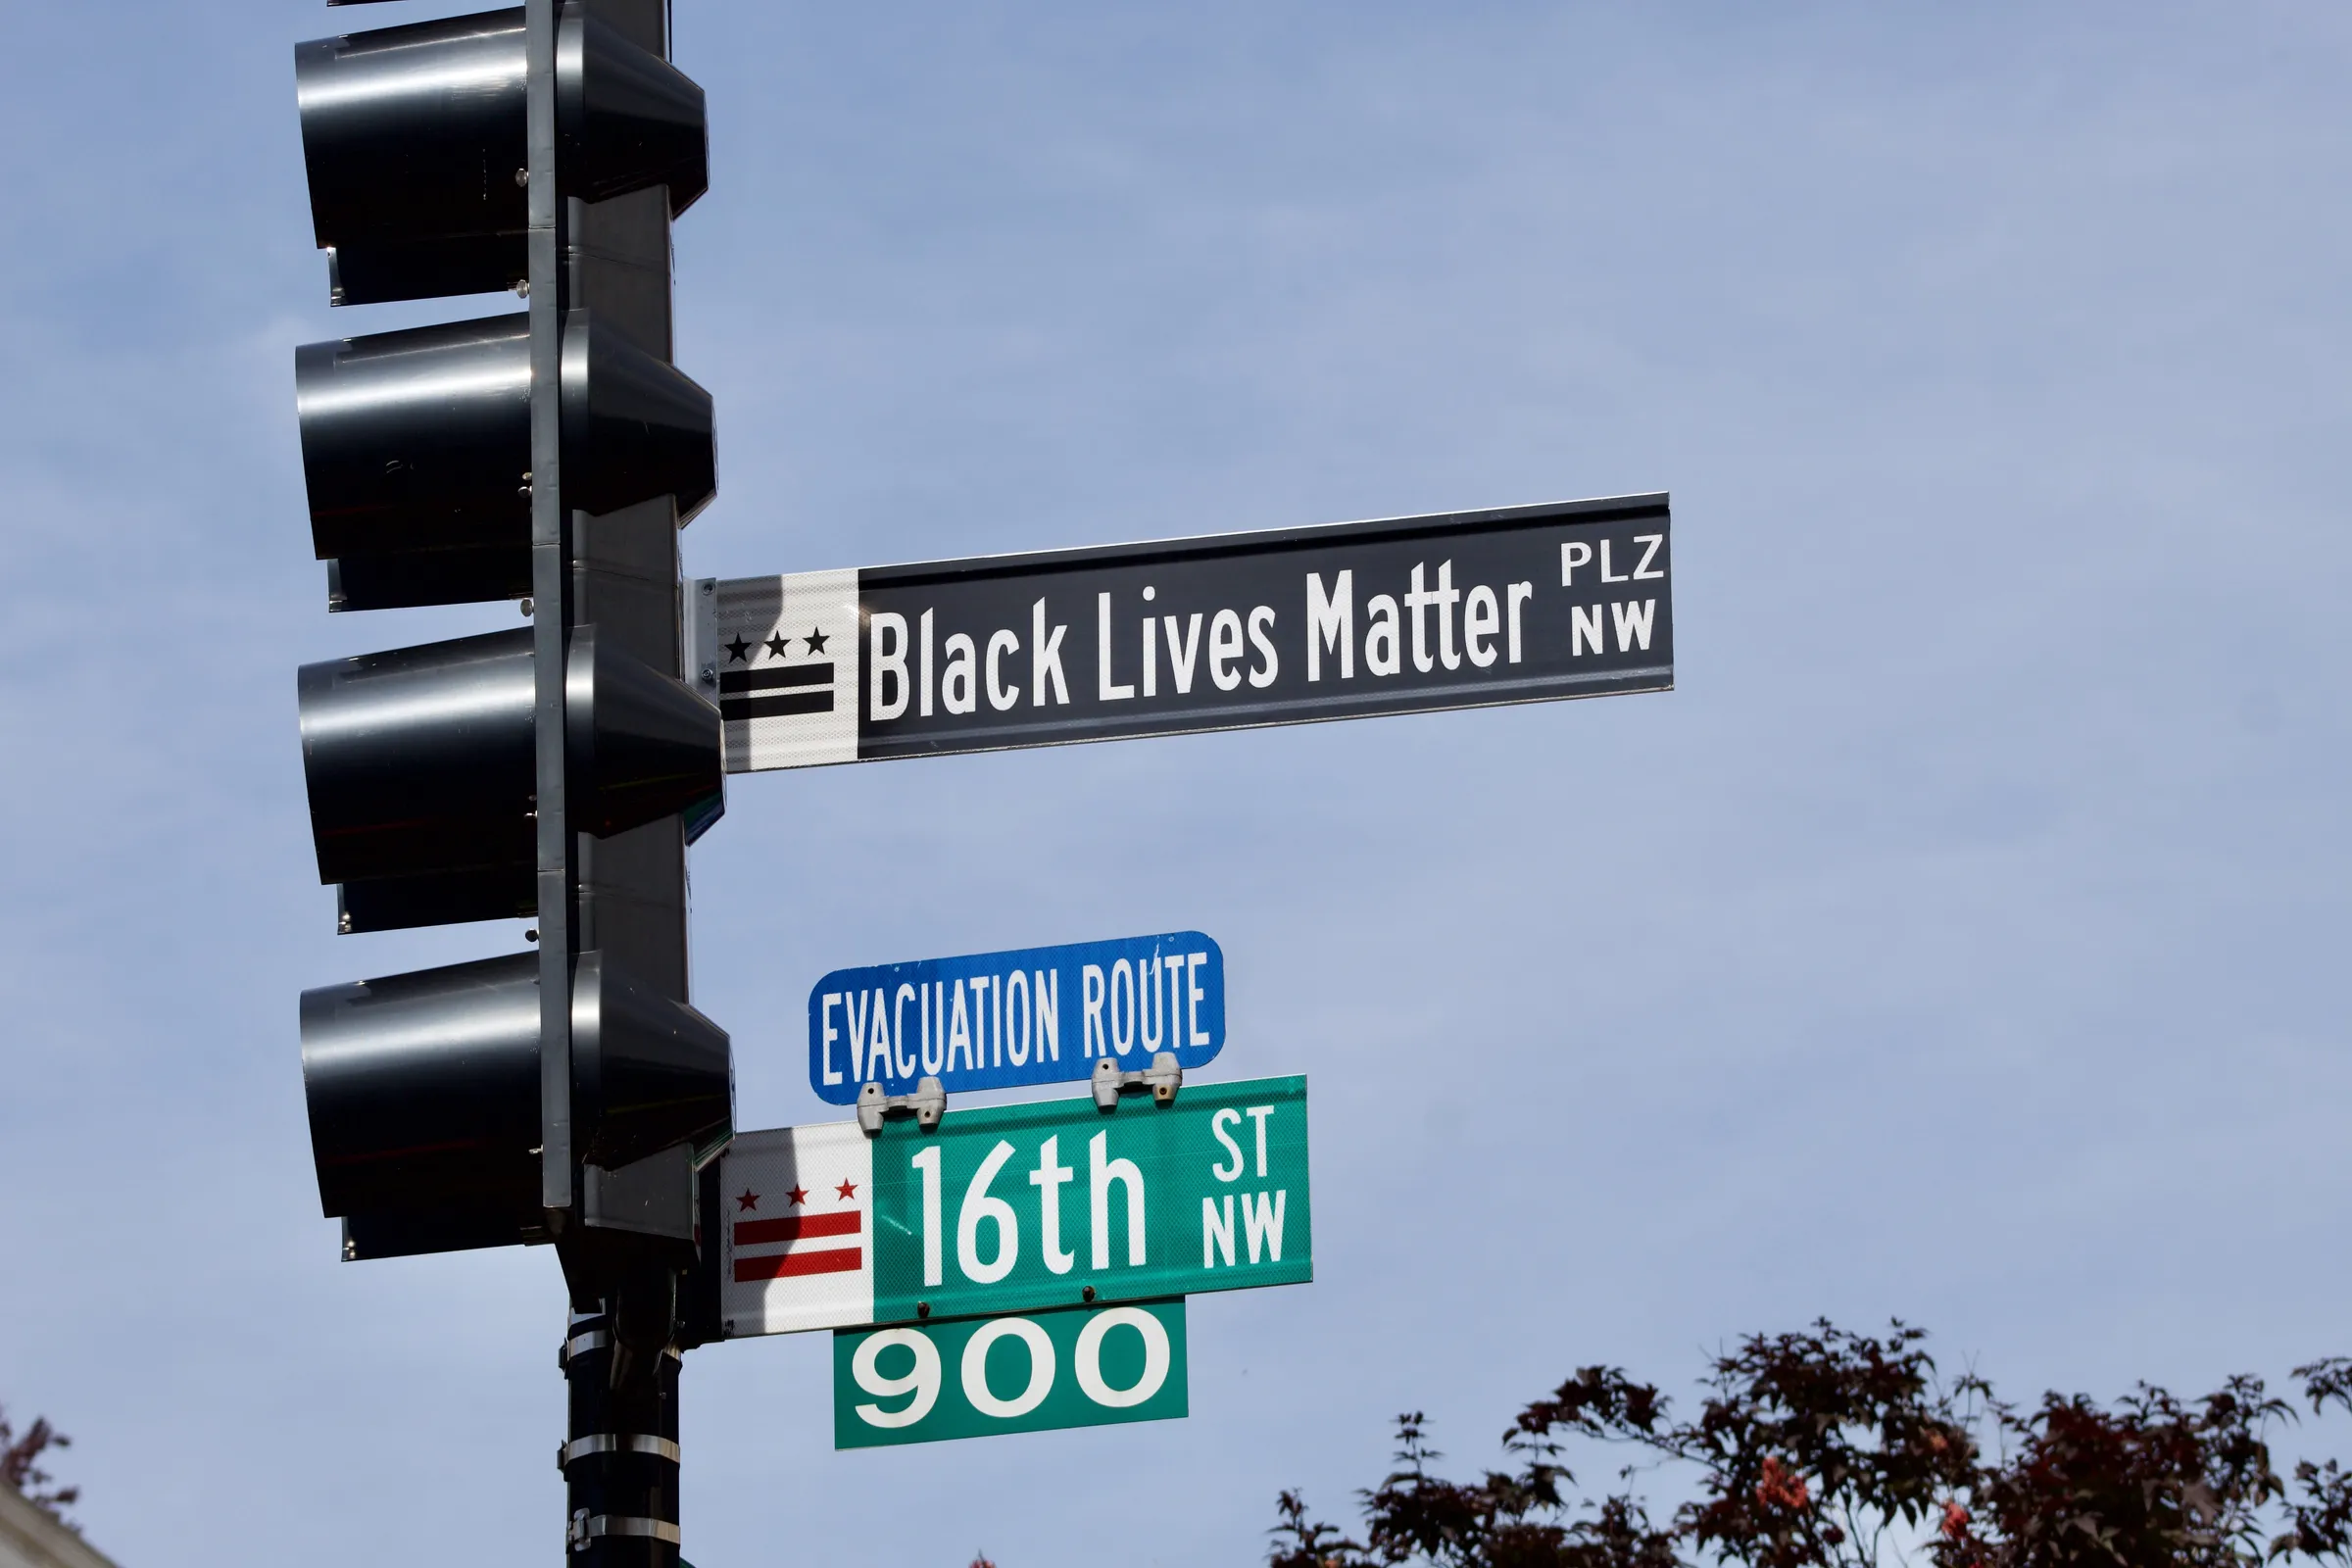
(1002, 1020)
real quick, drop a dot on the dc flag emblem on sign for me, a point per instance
(798, 1230)
(786, 668)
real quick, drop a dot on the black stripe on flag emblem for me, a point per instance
(781, 684)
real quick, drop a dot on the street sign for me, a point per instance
(999, 1020)
(1016, 1208)
(1229, 631)
(1079, 1366)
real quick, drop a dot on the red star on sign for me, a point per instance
(748, 1200)
(848, 1190)
(799, 1195)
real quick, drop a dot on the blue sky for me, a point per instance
(1955, 943)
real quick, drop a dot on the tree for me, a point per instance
(1830, 1449)
(19, 1465)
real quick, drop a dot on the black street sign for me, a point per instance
(1229, 631)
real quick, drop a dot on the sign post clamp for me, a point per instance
(1161, 1080)
(926, 1104)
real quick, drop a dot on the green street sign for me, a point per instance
(978, 1377)
(1016, 1208)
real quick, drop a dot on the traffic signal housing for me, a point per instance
(417, 145)
(416, 452)
(555, 771)
(423, 1094)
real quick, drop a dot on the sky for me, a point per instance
(1951, 944)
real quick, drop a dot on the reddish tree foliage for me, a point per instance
(21, 1471)
(1831, 1450)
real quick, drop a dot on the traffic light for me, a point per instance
(416, 452)
(425, 1096)
(415, 139)
(555, 771)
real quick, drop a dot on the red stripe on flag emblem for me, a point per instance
(752, 1232)
(784, 1265)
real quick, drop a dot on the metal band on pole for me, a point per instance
(591, 1527)
(618, 1442)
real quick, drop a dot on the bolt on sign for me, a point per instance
(1077, 1366)
(1016, 1208)
(1227, 631)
